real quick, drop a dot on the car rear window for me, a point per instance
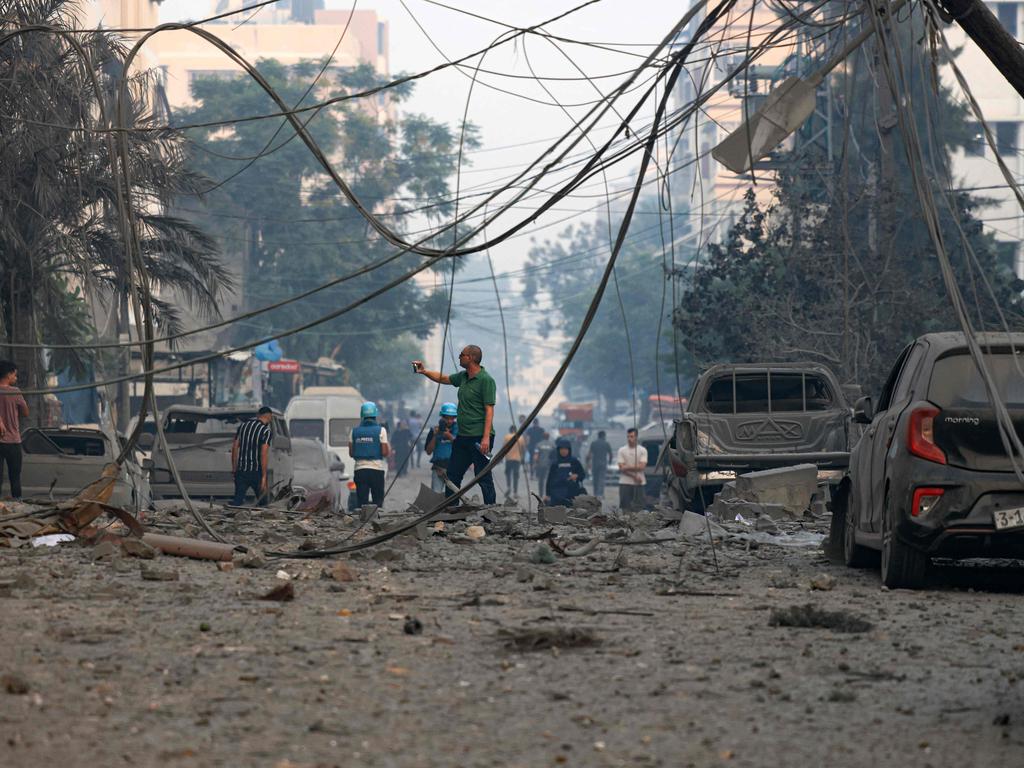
(956, 382)
(764, 393)
(206, 424)
(54, 443)
(313, 428)
(307, 456)
(341, 430)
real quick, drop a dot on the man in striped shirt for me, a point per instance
(250, 455)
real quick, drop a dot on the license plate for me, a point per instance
(1007, 519)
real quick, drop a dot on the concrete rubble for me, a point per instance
(568, 627)
(769, 499)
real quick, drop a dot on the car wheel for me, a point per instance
(854, 555)
(902, 565)
(837, 527)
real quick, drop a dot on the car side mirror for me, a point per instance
(853, 392)
(145, 441)
(337, 465)
(863, 411)
(147, 464)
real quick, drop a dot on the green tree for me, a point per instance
(288, 228)
(60, 216)
(622, 349)
(839, 267)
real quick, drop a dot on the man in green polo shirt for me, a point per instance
(477, 394)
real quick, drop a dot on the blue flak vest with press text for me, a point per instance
(442, 447)
(366, 441)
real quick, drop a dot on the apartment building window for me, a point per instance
(975, 145)
(211, 74)
(381, 35)
(1007, 15)
(1006, 137)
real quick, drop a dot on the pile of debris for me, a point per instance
(785, 506)
(784, 493)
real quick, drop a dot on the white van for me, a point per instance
(327, 414)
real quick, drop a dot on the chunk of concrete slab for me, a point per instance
(427, 499)
(591, 504)
(552, 515)
(792, 487)
(692, 524)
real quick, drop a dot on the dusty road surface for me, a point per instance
(448, 651)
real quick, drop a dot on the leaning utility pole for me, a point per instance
(994, 40)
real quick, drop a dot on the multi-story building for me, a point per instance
(708, 193)
(713, 195)
(290, 32)
(121, 14)
(975, 168)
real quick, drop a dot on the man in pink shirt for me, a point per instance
(12, 407)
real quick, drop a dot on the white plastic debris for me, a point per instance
(284, 576)
(52, 540)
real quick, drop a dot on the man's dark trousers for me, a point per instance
(243, 482)
(10, 454)
(369, 485)
(465, 454)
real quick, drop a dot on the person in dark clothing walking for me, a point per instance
(250, 456)
(543, 453)
(401, 441)
(534, 436)
(477, 395)
(370, 448)
(599, 455)
(12, 407)
(565, 476)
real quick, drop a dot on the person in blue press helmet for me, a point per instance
(565, 477)
(370, 448)
(439, 446)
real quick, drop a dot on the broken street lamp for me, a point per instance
(784, 111)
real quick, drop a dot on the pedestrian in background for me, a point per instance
(12, 408)
(513, 462)
(439, 446)
(565, 476)
(369, 446)
(599, 456)
(402, 441)
(250, 457)
(533, 437)
(542, 456)
(632, 460)
(415, 427)
(477, 395)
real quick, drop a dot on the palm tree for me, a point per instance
(63, 201)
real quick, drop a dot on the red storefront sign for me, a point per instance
(283, 366)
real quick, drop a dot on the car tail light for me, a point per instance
(925, 500)
(921, 435)
(351, 485)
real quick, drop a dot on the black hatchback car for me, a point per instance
(930, 476)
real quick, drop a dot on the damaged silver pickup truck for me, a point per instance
(742, 418)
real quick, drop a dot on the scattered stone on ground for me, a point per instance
(811, 616)
(687, 651)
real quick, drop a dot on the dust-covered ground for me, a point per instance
(453, 652)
